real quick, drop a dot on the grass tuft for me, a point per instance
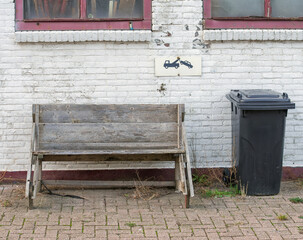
(232, 192)
(282, 217)
(130, 224)
(6, 203)
(296, 200)
(201, 179)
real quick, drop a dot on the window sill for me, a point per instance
(84, 36)
(253, 35)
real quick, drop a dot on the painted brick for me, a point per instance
(118, 67)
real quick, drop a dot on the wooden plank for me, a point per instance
(107, 132)
(110, 113)
(33, 138)
(39, 175)
(188, 164)
(36, 177)
(177, 175)
(30, 196)
(107, 146)
(179, 117)
(182, 176)
(111, 152)
(29, 171)
(28, 178)
(107, 184)
(36, 108)
(109, 158)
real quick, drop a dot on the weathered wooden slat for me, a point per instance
(107, 132)
(111, 152)
(179, 117)
(111, 113)
(37, 133)
(188, 164)
(108, 184)
(28, 178)
(177, 174)
(107, 146)
(29, 171)
(36, 176)
(39, 175)
(109, 158)
(182, 176)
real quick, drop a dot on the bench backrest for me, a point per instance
(108, 127)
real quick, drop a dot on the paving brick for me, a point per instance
(87, 71)
(209, 219)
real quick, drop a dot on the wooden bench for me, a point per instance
(125, 132)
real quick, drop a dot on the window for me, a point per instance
(253, 14)
(82, 14)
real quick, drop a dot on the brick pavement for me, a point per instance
(113, 214)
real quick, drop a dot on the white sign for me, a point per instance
(178, 66)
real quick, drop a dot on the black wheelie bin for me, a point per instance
(258, 126)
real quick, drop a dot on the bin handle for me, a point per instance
(285, 95)
(239, 95)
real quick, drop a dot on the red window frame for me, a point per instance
(83, 23)
(266, 22)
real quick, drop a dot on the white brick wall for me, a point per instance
(123, 72)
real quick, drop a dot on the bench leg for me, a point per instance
(29, 184)
(39, 188)
(177, 175)
(187, 201)
(36, 177)
(180, 178)
(183, 175)
(189, 176)
(188, 179)
(30, 196)
(28, 178)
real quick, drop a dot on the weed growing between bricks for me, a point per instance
(296, 200)
(282, 217)
(218, 182)
(6, 203)
(213, 184)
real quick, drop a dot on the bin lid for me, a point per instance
(260, 99)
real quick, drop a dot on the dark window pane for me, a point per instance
(50, 9)
(114, 8)
(287, 8)
(237, 8)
